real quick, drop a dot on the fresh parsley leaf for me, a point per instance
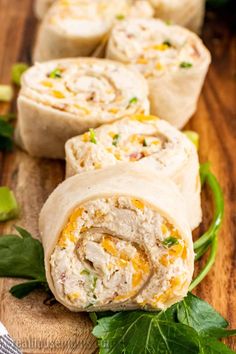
(199, 315)
(115, 139)
(133, 100)
(22, 256)
(22, 290)
(8, 205)
(170, 241)
(185, 65)
(92, 136)
(55, 74)
(6, 135)
(144, 332)
(212, 346)
(16, 72)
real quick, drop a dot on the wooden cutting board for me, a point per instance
(40, 328)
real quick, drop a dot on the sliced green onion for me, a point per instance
(193, 137)
(185, 65)
(8, 205)
(145, 142)
(120, 17)
(115, 139)
(170, 241)
(55, 74)
(92, 136)
(6, 93)
(167, 43)
(133, 100)
(16, 72)
(85, 272)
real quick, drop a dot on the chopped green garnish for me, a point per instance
(145, 142)
(167, 43)
(6, 136)
(185, 65)
(170, 241)
(115, 139)
(193, 137)
(6, 93)
(16, 72)
(85, 272)
(8, 205)
(133, 100)
(120, 17)
(92, 136)
(94, 282)
(168, 22)
(55, 74)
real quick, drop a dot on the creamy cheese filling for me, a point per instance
(86, 17)
(116, 249)
(153, 46)
(85, 88)
(129, 140)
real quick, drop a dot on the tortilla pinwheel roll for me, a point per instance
(173, 60)
(144, 140)
(41, 7)
(75, 28)
(63, 98)
(187, 13)
(117, 239)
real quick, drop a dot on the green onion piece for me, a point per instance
(85, 272)
(120, 17)
(55, 74)
(167, 43)
(170, 241)
(6, 93)
(168, 22)
(16, 72)
(145, 142)
(8, 205)
(133, 100)
(209, 238)
(185, 65)
(115, 139)
(193, 137)
(92, 136)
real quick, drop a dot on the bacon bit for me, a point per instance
(136, 156)
(138, 204)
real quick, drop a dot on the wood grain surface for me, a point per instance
(40, 328)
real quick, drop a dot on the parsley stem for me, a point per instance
(208, 177)
(208, 265)
(209, 238)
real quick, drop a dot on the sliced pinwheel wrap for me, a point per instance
(144, 140)
(172, 59)
(187, 13)
(63, 98)
(75, 28)
(41, 7)
(117, 239)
